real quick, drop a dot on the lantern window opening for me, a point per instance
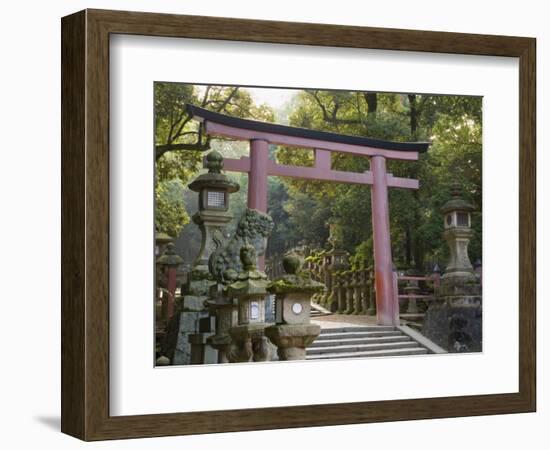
(462, 219)
(215, 199)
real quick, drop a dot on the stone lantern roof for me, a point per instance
(170, 257)
(214, 178)
(295, 280)
(457, 203)
(162, 238)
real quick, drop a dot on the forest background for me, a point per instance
(303, 210)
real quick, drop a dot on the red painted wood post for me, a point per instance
(257, 181)
(386, 298)
(170, 261)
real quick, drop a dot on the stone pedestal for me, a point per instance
(292, 340)
(249, 344)
(454, 319)
(201, 351)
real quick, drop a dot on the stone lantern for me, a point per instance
(161, 240)
(213, 215)
(458, 232)
(293, 331)
(248, 342)
(454, 318)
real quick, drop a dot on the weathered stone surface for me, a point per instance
(455, 325)
(211, 218)
(193, 303)
(170, 257)
(254, 228)
(201, 351)
(188, 324)
(248, 343)
(292, 340)
(198, 285)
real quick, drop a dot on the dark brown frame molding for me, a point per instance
(85, 224)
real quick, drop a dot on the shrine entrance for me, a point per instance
(259, 167)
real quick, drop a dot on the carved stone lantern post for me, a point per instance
(458, 232)
(213, 215)
(248, 342)
(293, 331)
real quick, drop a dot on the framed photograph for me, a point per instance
(273, 225)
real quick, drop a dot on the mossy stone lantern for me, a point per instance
(453, 319)
(293, 330)
(458, 232)
(250, 290)
(213, 215)
(161, 240)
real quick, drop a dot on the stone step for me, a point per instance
(357, 335)
(359, 341)
(358, 328)
(373, 353)
(337, 349)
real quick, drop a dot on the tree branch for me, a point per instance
(331, 117)
(164, 148)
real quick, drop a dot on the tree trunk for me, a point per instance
(372, 102)
(413, 116)
(408, 246)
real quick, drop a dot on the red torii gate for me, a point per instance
(259, 167)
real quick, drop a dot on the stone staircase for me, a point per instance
(363, 341)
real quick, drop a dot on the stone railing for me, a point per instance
(349, 291)
(415, 291)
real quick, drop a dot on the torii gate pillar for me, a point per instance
(257, 181)
(387, 304)
(257, 177)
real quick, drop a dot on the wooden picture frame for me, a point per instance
(85, 224)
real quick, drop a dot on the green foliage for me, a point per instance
(363, 256)
(170, 213)
(452, 124)
(179, 143)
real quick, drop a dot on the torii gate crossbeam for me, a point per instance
(259, 167)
